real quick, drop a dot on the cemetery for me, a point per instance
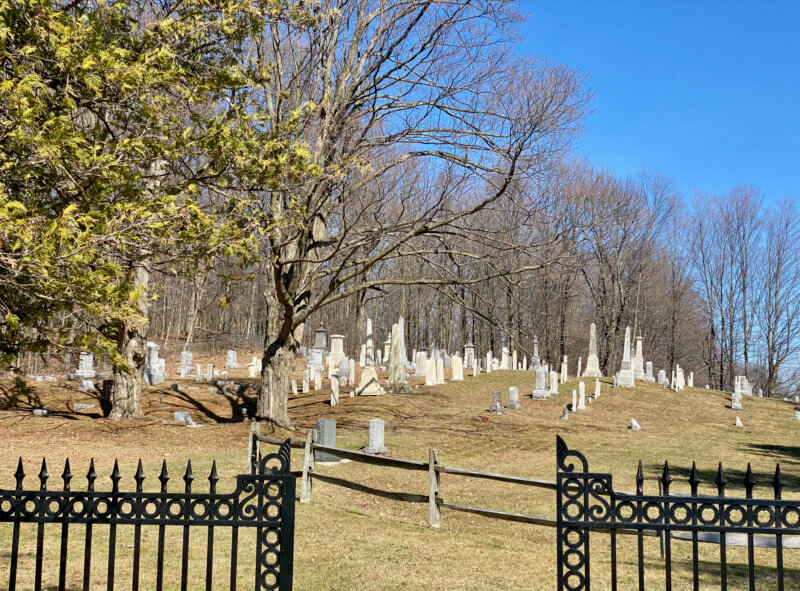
(302, 295)
(492, 434)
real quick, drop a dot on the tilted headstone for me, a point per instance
(376, 437)
(635, 426)
(513, 398)
(334, 392)
(565, 414)
(738, 423)
(326, 435)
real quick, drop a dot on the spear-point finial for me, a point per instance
(164, 476)
(91, 475)
(188, 477)
(116, 476)
(640, 479)
(43, 474)
(66, 475)
(694, 479)
(139, 476)
(19, 475)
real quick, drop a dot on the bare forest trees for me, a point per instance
(411, 134)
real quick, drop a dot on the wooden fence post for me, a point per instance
(308, 466)
(435, 489)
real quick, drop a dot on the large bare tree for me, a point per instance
(425, 93)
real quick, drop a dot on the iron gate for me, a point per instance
(263, 500)
(587, 501)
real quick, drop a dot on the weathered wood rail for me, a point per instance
(434, 497)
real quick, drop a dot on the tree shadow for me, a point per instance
(236, 401)
(19, 395)
(788, 452)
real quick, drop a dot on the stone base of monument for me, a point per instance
(625, 379)
(540, 394)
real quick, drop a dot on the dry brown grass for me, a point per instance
(347, 540)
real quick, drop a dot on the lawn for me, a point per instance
(348, 540)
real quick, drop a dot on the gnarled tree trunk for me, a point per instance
(132, 347)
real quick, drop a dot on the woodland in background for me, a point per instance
(713, 286)
(235, 175)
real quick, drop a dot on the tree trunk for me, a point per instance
(280, 347)
(131, 345)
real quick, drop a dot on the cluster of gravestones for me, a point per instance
(326, 436)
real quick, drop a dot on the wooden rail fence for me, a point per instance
(436, 503)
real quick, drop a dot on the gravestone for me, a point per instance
(564, 365)
(476, 370)
(86, 365)
(592, 361)
(565, 415)
(362, 357)
(513, 399)
(580, 365)
(648, 372)
(489, 362)
(187, 362)
(596, 389)
(351, 372)
(369, 386)
(635, 426)
(344, 370)
(691, 379)
(337, 350)
(82, 406)
(497, 403)
(553, 381)
(305, 381)
(209, 372)
(638, 360)
(458, 369)
(420, 363)
(625, 376)
(738, 423)
(198, 372)
(797, 413)
(397, 367)
(540, 387)
(294, 387)
(231, 360)
(736, 401)
(334, 392)
(535, 357)
(430, 372)
(326, 435)
(469, 355)
(181, 416)
(581, 396)
(87, 386)
(574, 407)
(440, 371)
(376, 437)
(662, 376)
(154, 370)
(317, 379)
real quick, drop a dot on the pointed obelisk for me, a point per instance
(592, 362)
(397, 372)
(638, 360)
(625, 377)
(368, 385)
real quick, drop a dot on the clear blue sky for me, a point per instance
(706, 93)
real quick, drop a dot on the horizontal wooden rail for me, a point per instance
(365, 458)
(549, 484)
(434, 498)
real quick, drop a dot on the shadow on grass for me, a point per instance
(236, 402)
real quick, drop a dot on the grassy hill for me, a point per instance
(348, 540)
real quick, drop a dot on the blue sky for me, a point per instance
(705, 93)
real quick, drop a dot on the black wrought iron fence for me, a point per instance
(262, 501)
(587, 501)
